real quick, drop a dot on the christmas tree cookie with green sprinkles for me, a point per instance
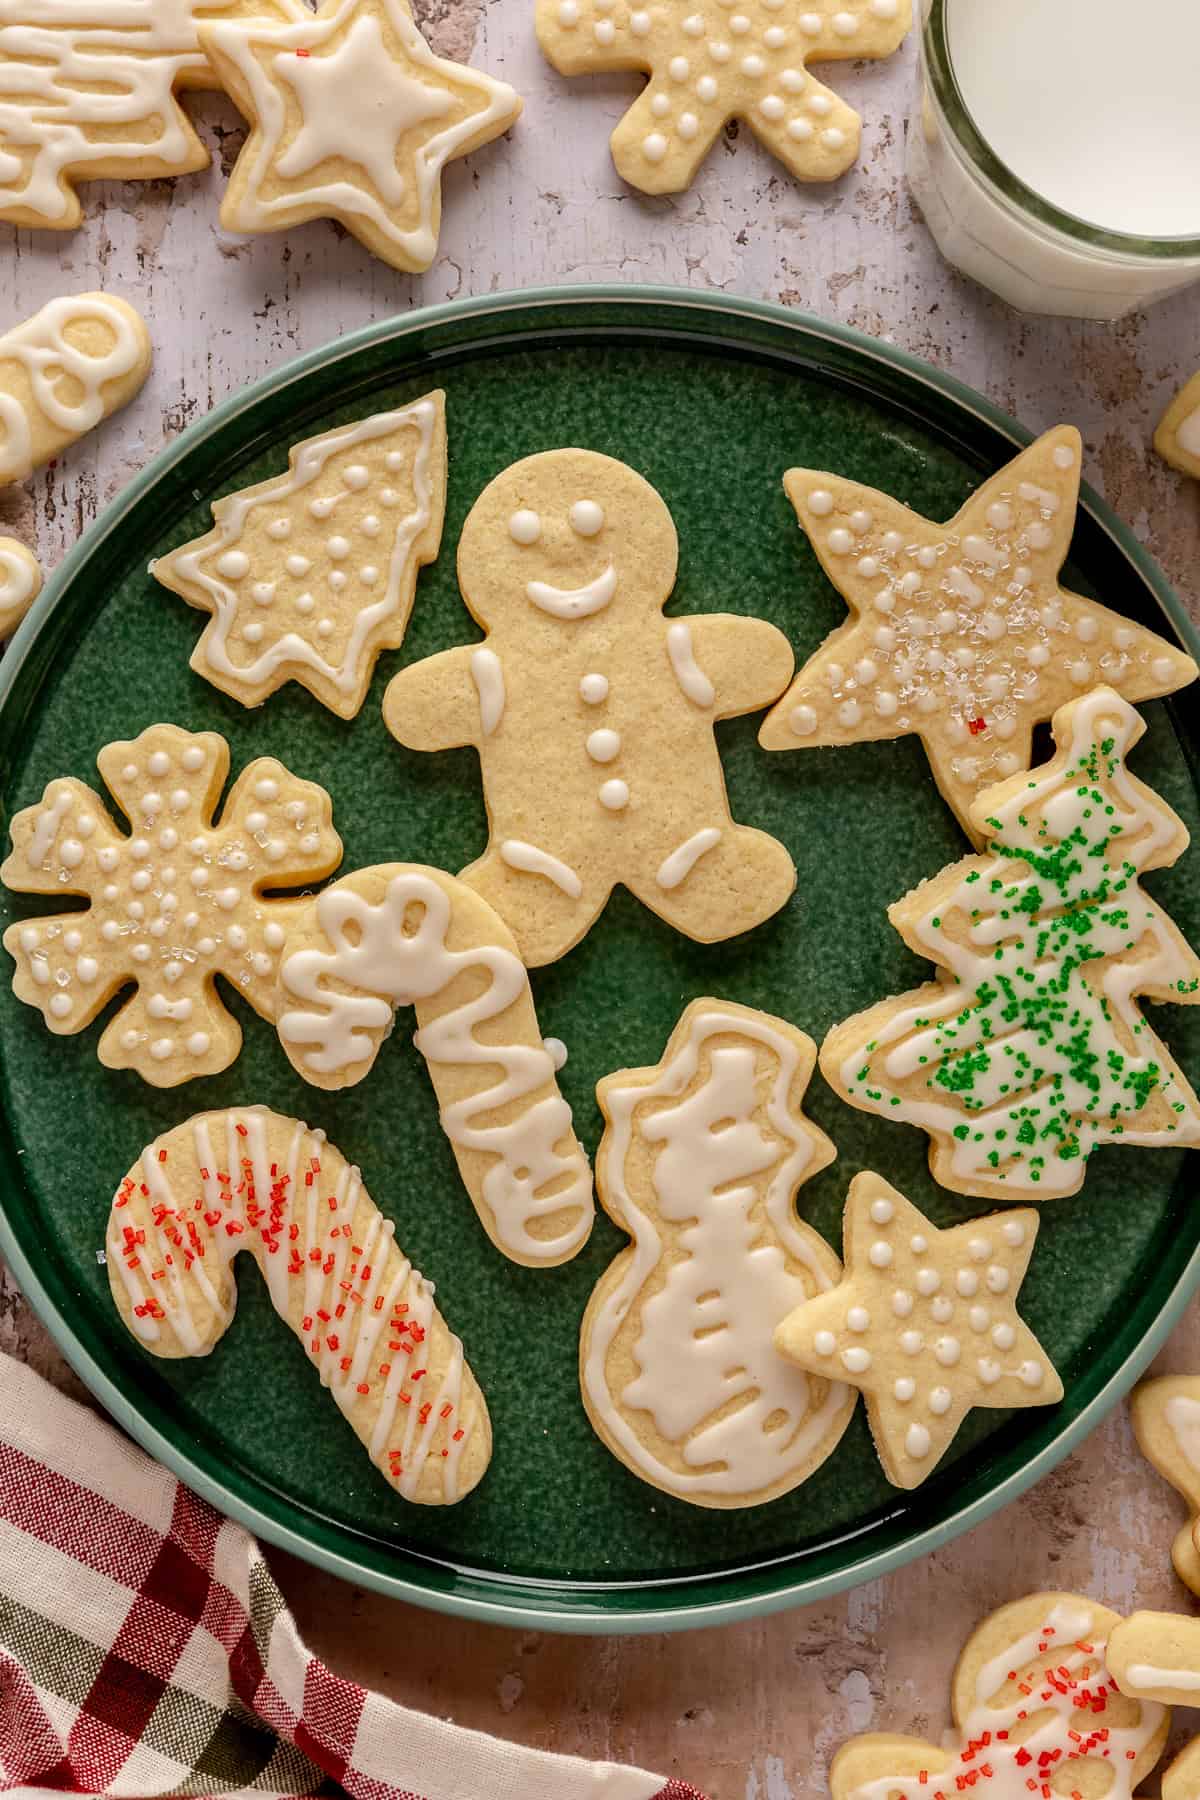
(1031, 1049)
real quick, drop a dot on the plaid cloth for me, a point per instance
(145, 1649)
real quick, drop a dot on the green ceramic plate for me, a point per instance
(712, 400)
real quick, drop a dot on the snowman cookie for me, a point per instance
(593, 715)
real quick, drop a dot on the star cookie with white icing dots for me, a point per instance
(710, 61)
(960, 632)
(925, 1323)
(353, 118)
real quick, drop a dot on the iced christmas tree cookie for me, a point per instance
(1178, 436)
(925, 1322)
(309, 575)
(404, 935)
(1166, 1422)
(20, 584)
(699, 1163)
(707, 67)
(249, 1179)
(1030, 1050)
(173, 904)
(62, 371)
(593, 715)
(1034, 1703)
(960, 632)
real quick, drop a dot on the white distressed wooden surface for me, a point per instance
(752, 1712)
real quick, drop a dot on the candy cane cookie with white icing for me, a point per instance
(700, 1162)
(309, 575)
(405, 935)
(1166, 1423)
(1037, 1713)
(62, 371)
(1177, 439)
(20, 584)
(250, 1179)
(1156, 1656)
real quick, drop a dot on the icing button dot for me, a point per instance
(942, 1309)
(947, 1350)
(858, 1319)
(997, 1279)
(880, 1255)
(803, 721)
(967, 1283)
(1030, 1374)
(1003, 1336)
(689, 125)
(902, 1303)
(614, 795)
(912, 1343)
(856, 1360)
(928, 1281)
(824, 1343)
(603, 745)
(1013, 1230)
(903, 1388)
(917, 1441)
(654, 147)
(882, 1211)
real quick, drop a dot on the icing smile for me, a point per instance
(574, 603)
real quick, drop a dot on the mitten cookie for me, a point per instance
(593, 715)
(309, 575)
(706, 68)
(171, 906)
(402, 935)
(1031, 1048)
(960, 632)
(20, 584)
(1178, 436)
(1166, 1422)
(925, 1322)
(700, 1162)
(1037, 1713)
(62, 371)
(249, 1179)
(352, 118)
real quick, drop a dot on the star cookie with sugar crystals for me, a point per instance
(960, 632)
(353, 118)
(1177, 439)
(727, 59)
(925, 1323)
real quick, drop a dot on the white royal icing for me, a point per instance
(1183, 1417)
(532, 861)
(675, 868)
(691, 678)
(1188, 434)
(1149, 1675)
(67, 384)
(574, 603)
(488, 675)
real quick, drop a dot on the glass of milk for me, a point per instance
(1056, 155)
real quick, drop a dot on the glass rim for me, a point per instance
(939, 67)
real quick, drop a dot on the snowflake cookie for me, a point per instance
(1031, 1050)
(1037, 1714)
(593, 715)
(62, 371)
(960, 632)
(353, 118)
(171, 906)
(249, 1179)
(728, 59)
(20, 584)
(1166, 1423)
(1178, 436)
(309, 575)
(700, 1162)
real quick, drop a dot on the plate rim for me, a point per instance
(581, 1614)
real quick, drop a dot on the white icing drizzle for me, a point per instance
(381, 965)
(488, 676)
(67, 384)
(532, 861)
(1149, 1675)
(1183, 1418)
(675, 868)
(365, 1316)
(725, 1163)
(691, 678)
(574, 603)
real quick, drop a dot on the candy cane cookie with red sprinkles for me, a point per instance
(1038, 1713)
(250, 1179)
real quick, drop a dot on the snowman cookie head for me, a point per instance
(566, 535)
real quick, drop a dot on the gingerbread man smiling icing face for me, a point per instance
(593, 714)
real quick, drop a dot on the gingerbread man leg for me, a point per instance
(719, 882)
(543, 901)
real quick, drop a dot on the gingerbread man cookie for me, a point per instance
(733, 60)
(1166, 1423)
(1031, 1049)
(20, 584)
(309, 575)
(62, 371)
(1037, 1714)
(700, 1162)
(353, 118)
(172, 905)
(593, 715)
(1177, 439)
(249, 1179)
(404, 935)
(960, 632)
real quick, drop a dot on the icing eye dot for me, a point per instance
(587, 518)
(524, 527)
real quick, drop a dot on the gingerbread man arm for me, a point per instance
(732, 664)
(442, 702)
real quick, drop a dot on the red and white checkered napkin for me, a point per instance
(145, 1650)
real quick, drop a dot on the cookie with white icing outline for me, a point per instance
(309, 575)
(20, 584)
(593, 714)
(62, 371)
(179, 899)
(1177, 439)
(1030, 1049)
(250, 1179)
(700, 1162)
(1032, 1696)
(960, 632)
(352, 118)
(404, 935)
(741, 59)
(1156, 1656)
(1166, 1423)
